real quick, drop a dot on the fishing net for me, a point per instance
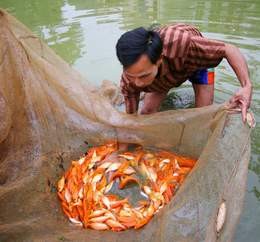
(49, 115)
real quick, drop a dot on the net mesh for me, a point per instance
(47, 114)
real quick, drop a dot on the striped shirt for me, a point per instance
(185, 51)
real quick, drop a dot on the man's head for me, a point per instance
(139, 51)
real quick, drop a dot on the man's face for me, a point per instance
(143, 72)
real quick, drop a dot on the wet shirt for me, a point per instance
(185, 51)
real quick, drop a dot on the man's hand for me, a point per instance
(241, 100)
(237, 61)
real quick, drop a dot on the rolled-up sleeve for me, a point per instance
(131, 96)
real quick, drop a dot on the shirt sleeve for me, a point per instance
(206, 53)
(131, 95)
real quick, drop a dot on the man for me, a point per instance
(156, 61)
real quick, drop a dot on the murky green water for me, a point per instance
(84, 33)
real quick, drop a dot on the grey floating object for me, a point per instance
(221, 217)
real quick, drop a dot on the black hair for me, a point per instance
(132, 44)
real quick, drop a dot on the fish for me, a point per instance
(97, 178)
(125, 180)
(113, 167)
(114, 224)
(61, 184)
(128, 221)
(106, 164)
(117, 203)
(106, 202)
(128, 157)
(95, 158)
(98, 226)
(84, 189)
(97, 213)
(99, 219)
(250, 119)
(75, 221)
(108, 187)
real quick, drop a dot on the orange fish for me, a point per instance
(81, 190)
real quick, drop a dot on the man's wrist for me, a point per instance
(246, 84)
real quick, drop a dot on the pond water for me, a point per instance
(85, 32)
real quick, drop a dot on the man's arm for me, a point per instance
(242, 98)
(131, 96)
(211, 53)
(132, 103)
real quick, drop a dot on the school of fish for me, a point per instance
(84, 190)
